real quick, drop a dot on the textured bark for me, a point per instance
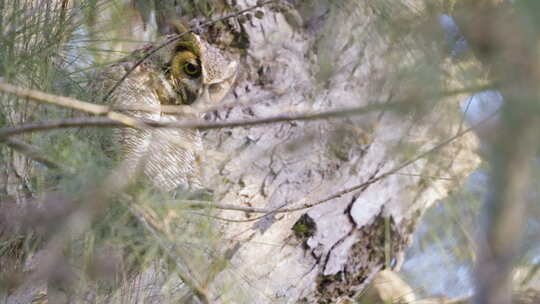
(317, 57)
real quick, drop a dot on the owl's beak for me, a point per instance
(213, 91)
(204, 99)
(204, 95)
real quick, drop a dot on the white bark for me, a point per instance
(342, 63)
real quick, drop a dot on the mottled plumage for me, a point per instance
(187, 72)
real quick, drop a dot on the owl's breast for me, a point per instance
(168, 158)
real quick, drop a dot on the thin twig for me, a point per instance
(192, 124)
(164, 109)
(51, 125)
(177, 37)
(58, 100)
(199, 292)
(34, 153)
(71, 103)
(337, 194)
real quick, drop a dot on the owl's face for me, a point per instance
(198, 72)
(188, 72)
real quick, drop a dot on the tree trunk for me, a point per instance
(314, 57)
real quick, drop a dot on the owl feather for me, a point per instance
(189, 72)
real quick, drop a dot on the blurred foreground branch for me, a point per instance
(508, 48)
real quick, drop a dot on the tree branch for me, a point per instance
(34, 153)
(361, 186)
(71, 103)
(192, 124)
(197, 290)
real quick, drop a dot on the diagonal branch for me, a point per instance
(71, 103)
(199, 291)
(34, 153)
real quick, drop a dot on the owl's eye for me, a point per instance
(191, 69)
(185, 64)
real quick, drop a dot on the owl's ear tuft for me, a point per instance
(177, 26)
(187, 40)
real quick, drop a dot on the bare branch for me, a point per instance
(182, 109)
(34, 153)
(51, 125)
(71, 103)
(361, 186)
(58, 100)
(193, 124)
(199, 291)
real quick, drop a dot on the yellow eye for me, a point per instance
(185, 63)
(191, 69)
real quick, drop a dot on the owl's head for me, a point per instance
(198, 71)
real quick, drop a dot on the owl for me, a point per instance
(188, 72)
